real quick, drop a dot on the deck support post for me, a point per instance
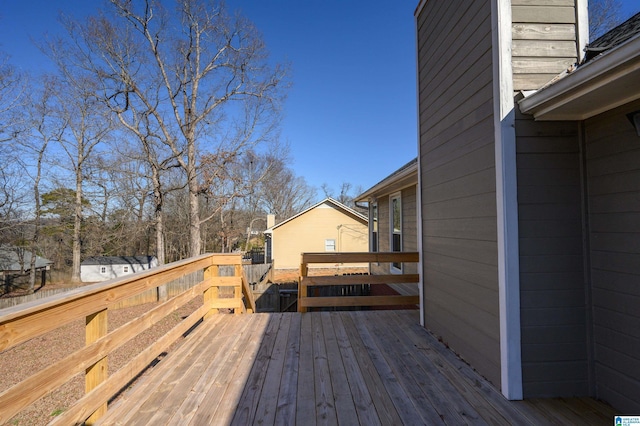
(95, 328)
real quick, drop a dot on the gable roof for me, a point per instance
(338, 205)
(10, 261)
(406, 175)
(609, 77)
(118, 260)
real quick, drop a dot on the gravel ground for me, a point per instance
(18, 363)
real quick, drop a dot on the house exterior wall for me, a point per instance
(544, 41)
(308, 232)
(457, 171)
(552, 283)
(612, 152)
(408, 198)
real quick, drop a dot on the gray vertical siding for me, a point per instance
(552, 285)
(457, 156)
(613, 175)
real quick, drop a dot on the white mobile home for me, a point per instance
(102, 268)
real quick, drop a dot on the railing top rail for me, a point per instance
(52, 312)
(358, 257)
(194, 263)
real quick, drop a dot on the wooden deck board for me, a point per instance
(451, 407)
(368, 368)
(268, 403)
(392, 386)
(362, 399)
(185, 413)
(245, 412)
(325, 407)
(418, 389)
(286, 411)
(343, 397)
(306, 403)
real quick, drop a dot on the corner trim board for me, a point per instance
(506, 202)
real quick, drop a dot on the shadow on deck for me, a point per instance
(332, 368)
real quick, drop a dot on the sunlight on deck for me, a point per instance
(367, 367)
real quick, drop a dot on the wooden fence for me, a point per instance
(92, 303)
(305, 300)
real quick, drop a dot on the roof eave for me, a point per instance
(611, 79)
(384, 187)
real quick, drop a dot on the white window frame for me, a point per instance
(395, 268)
(328, 243)
(125, 269)
(103, 270)
(374, 227)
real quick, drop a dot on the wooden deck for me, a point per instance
(369, 367)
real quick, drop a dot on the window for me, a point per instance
(103, 269)
(374, 227)
(395, 224)
(330, 245)
(125, 269)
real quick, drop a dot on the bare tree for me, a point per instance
(11, 93)
(88, 126)
(283, 193)
(346, 195)
(42, 128)
(201, 74)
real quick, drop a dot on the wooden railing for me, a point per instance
(305, 301)
(21, 323)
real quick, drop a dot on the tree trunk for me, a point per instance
(194, 207)
(77, 224)
(162, 290)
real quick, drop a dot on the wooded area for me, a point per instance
(157, 134)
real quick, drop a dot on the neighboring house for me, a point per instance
(102, 268)
(328, 226)
(15, 263)
(393, 217)
(530, 209)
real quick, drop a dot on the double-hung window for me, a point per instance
(395, 225)
(329, 245)
(374, 227)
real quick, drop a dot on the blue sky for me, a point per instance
(351, 112)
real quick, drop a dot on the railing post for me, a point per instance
(211, 294)
(302, 286)
(95, 328)
(237, 290)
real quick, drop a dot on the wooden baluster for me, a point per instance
(96, 327)
(212, 293)
(237, 290)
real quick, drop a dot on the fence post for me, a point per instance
(211, 294)
(95, 328)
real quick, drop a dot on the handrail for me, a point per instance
(92, 302)
(305, 302)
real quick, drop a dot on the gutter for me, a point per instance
(595, 74)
